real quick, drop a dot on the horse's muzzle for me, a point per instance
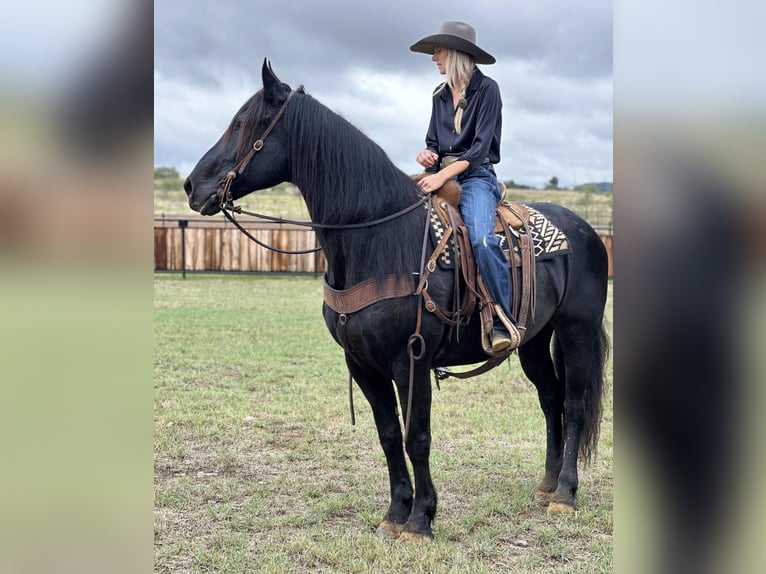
(211, 206)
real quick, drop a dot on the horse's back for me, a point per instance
(587, 262)
(584, 243)
(570, 279)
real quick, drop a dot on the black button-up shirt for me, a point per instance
(479, 139)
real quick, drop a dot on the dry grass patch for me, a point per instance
(257, 468)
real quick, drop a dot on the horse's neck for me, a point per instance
(349, 172)
(350, 180)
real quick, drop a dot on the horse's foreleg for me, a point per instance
(418, 445)
(379, 392)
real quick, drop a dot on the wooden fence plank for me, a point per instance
(160, 248)
(175, 238)
(609, 244)
(257, 253)
(244, 252)
(198, 252)
(226, 250)
(208, 248)
(279, 260)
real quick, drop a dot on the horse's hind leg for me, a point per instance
(536, 361)
(579, 356)
(379, 392)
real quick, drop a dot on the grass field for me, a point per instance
(258, 469)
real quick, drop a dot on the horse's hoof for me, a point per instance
(388, 529)
(414, 538)
(544, 498)
(560, 508)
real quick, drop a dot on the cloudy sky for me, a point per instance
(554, 70)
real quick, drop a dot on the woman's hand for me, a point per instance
(432, 183)
(427, 158)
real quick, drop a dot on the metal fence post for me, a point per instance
(183, 223)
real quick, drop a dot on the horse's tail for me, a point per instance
(594, 390)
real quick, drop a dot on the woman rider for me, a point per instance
(463, 142)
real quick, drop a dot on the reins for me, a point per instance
(416, 337)
(228, 209)
(257, 241)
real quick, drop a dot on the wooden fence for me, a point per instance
(196, 246)
(188, 245)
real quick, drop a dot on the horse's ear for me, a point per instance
(274, 90)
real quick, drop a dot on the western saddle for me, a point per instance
(512, 222)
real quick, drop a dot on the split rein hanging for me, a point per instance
(228, 208)
(227, 203)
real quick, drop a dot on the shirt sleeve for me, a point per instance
(432, 139)
(486, 121)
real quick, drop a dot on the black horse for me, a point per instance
(345, 178)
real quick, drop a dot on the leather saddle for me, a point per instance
(512, 222)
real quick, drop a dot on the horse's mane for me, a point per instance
(345, 177)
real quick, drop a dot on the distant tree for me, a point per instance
(169, 184)
(510, 184)
(599, 187)
(553, 183)
(605, 186)
(587, 187)
(163, 172)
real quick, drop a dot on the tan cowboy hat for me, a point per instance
(456, 35)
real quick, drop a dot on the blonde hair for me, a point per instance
(459, 68)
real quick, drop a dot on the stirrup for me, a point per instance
(501, 342)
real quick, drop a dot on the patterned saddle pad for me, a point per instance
(548, 240)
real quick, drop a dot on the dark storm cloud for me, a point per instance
(197, 40)
(553, 57)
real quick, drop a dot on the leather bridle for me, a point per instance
(224, 192)
(227, 203)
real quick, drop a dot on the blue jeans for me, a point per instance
(477, 206)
